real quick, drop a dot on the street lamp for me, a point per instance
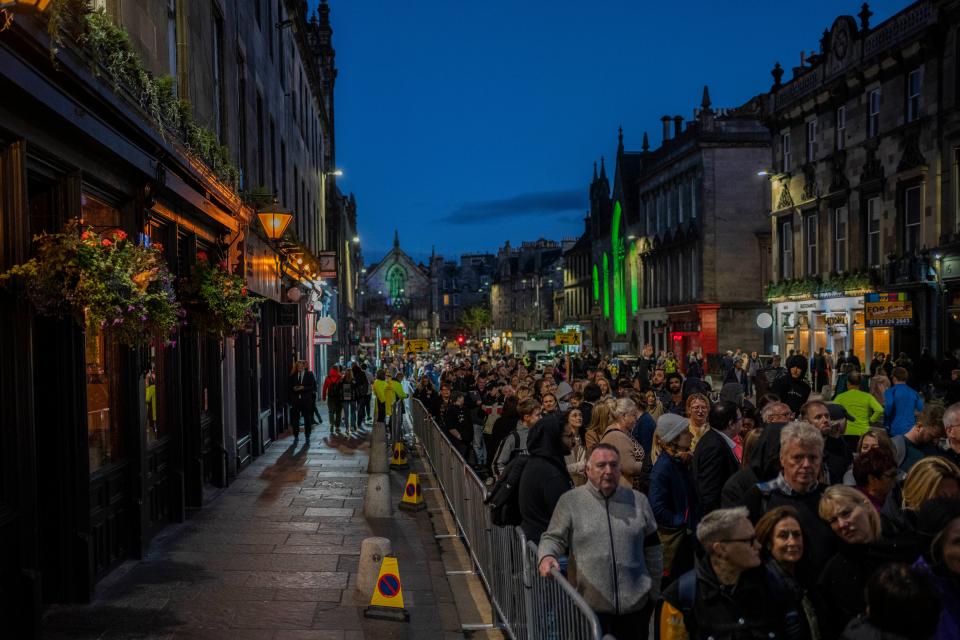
(274, 221)
(335, 172)
(356, 239)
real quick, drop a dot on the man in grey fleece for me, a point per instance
(619, 565)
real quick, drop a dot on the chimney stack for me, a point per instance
(677, 126)
(666, 128)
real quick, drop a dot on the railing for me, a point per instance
(527, 606)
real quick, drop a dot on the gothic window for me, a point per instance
(397, 282)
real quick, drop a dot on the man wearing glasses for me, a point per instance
(727, 589)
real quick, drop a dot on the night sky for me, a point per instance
(465, 124)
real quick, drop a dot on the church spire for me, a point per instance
(396, 239)
(646, 142)
(705, 102)
(603, 169)
(594, 171)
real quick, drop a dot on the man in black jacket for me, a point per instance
(303, 399)
(545, 477)
(792, 389)
(713, 459)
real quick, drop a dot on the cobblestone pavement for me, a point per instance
(273, 557)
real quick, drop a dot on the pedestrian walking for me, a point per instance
(303, 399)
(901, 404)
(333, 395)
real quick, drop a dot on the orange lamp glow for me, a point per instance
(275, 223)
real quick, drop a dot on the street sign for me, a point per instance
(888, 310)
(416, 346)
(326, 326)
(571, 338)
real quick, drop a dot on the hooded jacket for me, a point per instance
(792, 391)
(333, 377)
(614, 542)
(545, 477)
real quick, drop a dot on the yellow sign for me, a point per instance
(568, 338)
(416, 346)
(387, 599)
(887, 310)
(412, 495)
(399, 458)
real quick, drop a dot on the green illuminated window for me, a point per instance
(596, 284)
(619, 293)
(634, 267)
(606, 286)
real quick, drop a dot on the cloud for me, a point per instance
(525, 204)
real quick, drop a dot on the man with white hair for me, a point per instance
(951, 424)
(797, 485)
(727, 594)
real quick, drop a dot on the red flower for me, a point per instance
(119, 235)
(222, 265)
(157, 246)
(243, 291)
(105, 242)
(202, 256)
(85, 235)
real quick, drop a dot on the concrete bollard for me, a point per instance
(372, 552)
(379, 461)
(376, 502)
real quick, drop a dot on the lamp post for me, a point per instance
(275, 221)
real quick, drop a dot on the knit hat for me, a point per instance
(563, 390)
(670, 426)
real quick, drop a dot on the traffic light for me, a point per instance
(461, 340)
(384, 342)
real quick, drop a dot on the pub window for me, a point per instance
(840, 239)
(914, 81)
(840, 133)
(104, 382)
(786, 250)
(811, 141)
(810, 238)
(873, 232)
(911, 220)
(873, 113)
(155, 378)
(785, 150)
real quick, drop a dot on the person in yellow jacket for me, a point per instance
(387, 393)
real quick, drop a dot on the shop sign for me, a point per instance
(808, 305)
(888, 310)
(568, 338)
(416, 346)
(835, 319)
(787, 307)
(326, 326)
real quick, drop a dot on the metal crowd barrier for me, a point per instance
(527, 606)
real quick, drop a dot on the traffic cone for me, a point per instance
(399, 459)
(386, 603)
(412, 495)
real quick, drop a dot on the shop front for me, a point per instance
(653, 328)
(839, 324)
(692, 329)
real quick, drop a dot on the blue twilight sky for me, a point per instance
(466, 123)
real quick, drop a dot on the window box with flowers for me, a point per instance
(216, 300)
(101, 279)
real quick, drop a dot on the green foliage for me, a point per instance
(217, 301)
(259, 197)
(101, 279)
(475, 319)
(819, 287)
(110, 46)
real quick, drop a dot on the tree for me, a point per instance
(475, 319)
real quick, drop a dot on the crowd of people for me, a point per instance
(759, 509)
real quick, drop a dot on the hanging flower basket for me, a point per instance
(103, 279)
(216, 300)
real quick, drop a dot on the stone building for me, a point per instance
(864, 186)
(702, 234)
(399, 298)
(462, 285)
(524, 284)
(215, 103)
(578, 286)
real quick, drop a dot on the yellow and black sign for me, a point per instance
(387, 600)
(416, 346)
(571, 338)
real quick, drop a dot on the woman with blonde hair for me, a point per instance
(654, 405)
(605, 390)
(931, 477)
(697, 409)
(633, 473)
(600, 419)
(861, 550)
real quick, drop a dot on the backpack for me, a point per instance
(513, 454)
(504, 497)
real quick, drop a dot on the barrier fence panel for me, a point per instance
(528, 607)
